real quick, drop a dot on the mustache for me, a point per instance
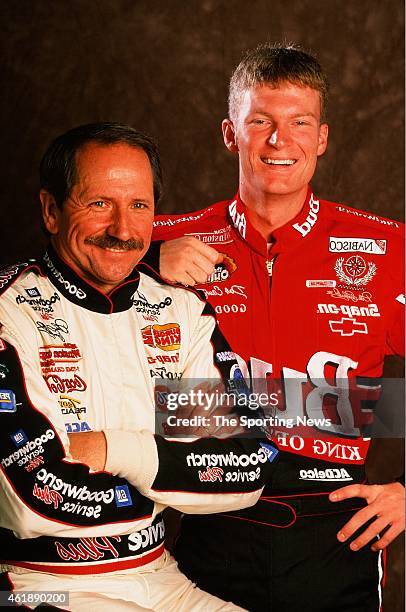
(110, 242)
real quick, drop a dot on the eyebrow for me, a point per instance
(294, 116)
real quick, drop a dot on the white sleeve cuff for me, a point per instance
(133, 455)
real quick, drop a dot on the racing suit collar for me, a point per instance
(291, 233)
(78, 291)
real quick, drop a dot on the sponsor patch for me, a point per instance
(362, 245)
(270, 451)
(306, 227)
(123, 496)
(57, 329)
(141, 304)
(328, 475)
(77, 427)
(349, 310)
(7, 274)
(368, 216)
(320, 283)
(223, 270)
(3, 370)
(238, 219)
(19, 438)
(348, 327)
(350, 296)
(165, 337)
(355, 271)
(56, 384)
(33, 292)
(217, 236)
(7, 401)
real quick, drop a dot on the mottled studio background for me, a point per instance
(163, 67)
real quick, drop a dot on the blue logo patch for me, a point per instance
(123, 497)
(77, 427)
(270, 451)
(19, 437)
(33, 292)
(7, 401)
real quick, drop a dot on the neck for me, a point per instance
(267, 212)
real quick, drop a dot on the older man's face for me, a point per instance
(104, 227)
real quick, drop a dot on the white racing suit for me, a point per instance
(73, 360)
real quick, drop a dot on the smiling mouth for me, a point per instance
(278, 162)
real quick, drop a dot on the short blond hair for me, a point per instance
(274, 64)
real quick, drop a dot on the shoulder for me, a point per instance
(209, 218)
(346, 217)
(14, 276)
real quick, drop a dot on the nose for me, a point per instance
(120, 224)
(278, 137)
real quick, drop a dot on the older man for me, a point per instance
(310, 294)
(80, 329)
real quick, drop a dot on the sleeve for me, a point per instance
(204, 475)
(395, 339)
(151, 257)
(42, 490)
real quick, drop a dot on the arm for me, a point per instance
(200, 475)
(386, 502)
(184, 260)
(42, 491)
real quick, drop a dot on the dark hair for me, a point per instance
(58, 171)
(274, 64)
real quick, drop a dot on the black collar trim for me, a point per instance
(78, 291)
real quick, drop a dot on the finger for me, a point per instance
(387, 537)
(369, 534)
(360, 518)
(197, 246)
(355, 490)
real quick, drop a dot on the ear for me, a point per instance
(51, 212)
(323, 138)
(229, 135)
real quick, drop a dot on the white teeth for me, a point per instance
(278, 162)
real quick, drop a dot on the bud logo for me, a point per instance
(223, 270)
(314, 207)
(165, 337)
(19, 437)
(123, 497)
(238, 219)
(362, 245)
(7, 401)
(329, 475)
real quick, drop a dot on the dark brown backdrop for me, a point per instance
(163, 67)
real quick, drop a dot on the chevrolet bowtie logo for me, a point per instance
(348, 327)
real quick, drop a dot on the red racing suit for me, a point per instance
(316, 311)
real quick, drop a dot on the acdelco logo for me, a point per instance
(328, 475)
(165, 337)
